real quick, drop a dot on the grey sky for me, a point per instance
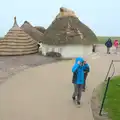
(102, 16)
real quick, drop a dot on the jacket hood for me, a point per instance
(79, 59)
(109, 38)
(115, 40)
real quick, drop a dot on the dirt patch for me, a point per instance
(96, 104)
(10, 65)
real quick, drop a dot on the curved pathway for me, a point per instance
(10, 65)
(44, 92)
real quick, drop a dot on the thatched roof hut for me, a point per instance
(17, 42)
(67, 30)
(33, 32)
(40, 28)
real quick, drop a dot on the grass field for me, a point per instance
(102, 39)
(112, 102)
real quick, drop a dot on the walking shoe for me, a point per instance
(73, 98)
(78, 102)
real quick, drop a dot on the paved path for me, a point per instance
(44, 92)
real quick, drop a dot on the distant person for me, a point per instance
(78, 79)
(86, 71)
(93, 48)
(116, 44)
(108, 44)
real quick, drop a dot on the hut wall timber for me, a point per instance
(17, 42)
(68, 36)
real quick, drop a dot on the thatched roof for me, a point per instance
(64, 12)
(68, 29)
(17, 42)
(40, 28)
(33, 32)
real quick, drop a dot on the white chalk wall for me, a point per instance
(68, 51)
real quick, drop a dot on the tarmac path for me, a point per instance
(44, 92)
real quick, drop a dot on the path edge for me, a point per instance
(96, 103)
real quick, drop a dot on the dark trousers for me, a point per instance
(108, 50)
(93, 49)
(77, 91)
(85, 77)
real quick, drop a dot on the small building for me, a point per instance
(68, 36)
(17, 42)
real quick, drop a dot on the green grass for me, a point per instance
(112, 102)
(103, 39)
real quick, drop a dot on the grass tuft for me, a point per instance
(112, 102)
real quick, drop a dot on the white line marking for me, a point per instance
(95, 57)
(94, 54)
(89, 53)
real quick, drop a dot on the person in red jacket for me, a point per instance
(116, 44)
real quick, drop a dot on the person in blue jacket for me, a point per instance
(108, 44)
(78, 78)
(86, 69)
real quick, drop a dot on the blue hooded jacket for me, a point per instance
(79, 71)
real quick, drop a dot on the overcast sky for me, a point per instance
(102, 16)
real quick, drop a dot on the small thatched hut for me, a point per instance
(17, 42)
(40, 28)
(68, 36)
(33, 32)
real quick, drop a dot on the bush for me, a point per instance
(53, 54)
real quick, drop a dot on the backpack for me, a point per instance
(86, 70)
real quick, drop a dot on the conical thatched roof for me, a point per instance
(17, 42)
(68, 29)
(33, 32)
(40, 28)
